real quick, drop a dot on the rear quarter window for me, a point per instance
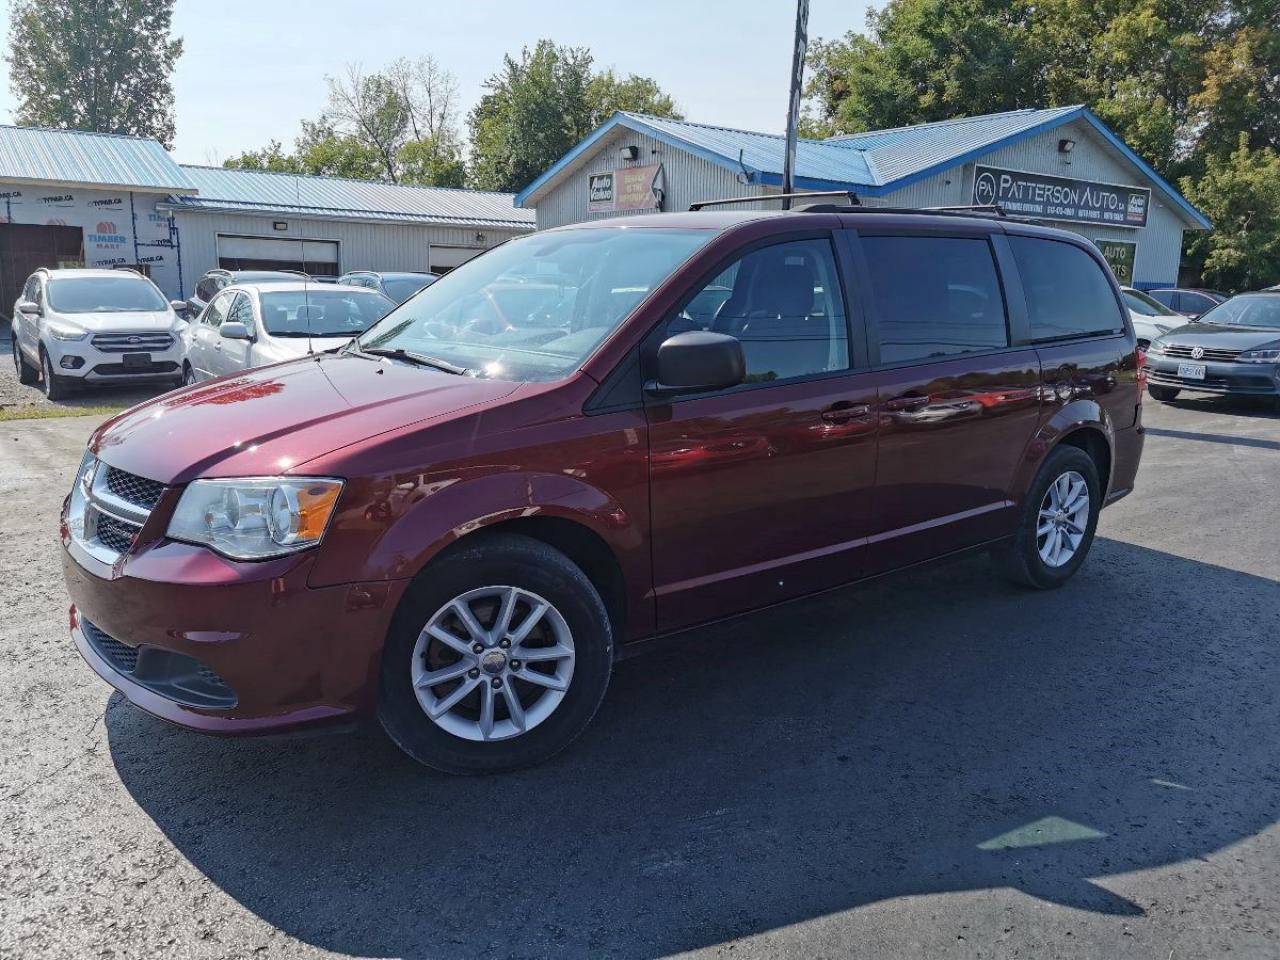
(1068, 294)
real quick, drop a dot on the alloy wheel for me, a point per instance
(1063, 518)
(492, 663)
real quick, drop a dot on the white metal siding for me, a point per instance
(686, 178)
(361, 246)
(1159, 242)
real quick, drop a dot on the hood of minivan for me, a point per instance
(106, 321)
(1221, 336)
(268, 421)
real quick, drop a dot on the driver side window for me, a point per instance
(242, 312)
(784, 304)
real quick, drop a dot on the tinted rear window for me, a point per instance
(1068, 294)
(934, 297)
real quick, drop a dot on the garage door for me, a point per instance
(444, 259)
(316, 257)
(24, 247)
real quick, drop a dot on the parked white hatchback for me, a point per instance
(251, 325)
(94, 327)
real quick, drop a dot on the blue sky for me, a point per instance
(254, 68)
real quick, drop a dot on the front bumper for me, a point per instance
(226, 647)
(87, 362)
(1245, 379)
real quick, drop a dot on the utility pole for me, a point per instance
(793, 103)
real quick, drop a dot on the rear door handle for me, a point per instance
(907, 403)
(844, 411)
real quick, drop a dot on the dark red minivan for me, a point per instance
(590, 437)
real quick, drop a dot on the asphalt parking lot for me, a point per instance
(937, 765)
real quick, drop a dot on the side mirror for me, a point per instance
(180, 307)
(696, 362)
(29, 307)
(234, 331)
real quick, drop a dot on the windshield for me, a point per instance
(401, 289)
(535, 308)
(104, 295)
(1148, 307)
(1257, 310)
(322, 313)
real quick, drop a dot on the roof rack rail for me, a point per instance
(849, 195)
(994, 208)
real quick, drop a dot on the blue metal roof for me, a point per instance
(39, 155)
(288, 194)
(873, 164)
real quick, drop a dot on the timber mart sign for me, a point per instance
(1057, 198)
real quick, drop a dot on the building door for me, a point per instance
(318, 258)
(443, 259)
(26, 247)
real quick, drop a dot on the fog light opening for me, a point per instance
(71, 363)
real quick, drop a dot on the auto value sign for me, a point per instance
(630, 188)
(1057, 198)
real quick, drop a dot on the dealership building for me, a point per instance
(1062, 166)
(70, 198)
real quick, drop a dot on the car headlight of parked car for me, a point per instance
(255, 518)
(1157, 346)
(65, 331)
(1266, 354)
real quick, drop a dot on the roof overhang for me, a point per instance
(212, 207)
(87, 185)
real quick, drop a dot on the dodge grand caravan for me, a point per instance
(458, 521)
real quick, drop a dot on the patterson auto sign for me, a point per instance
(1057, 198)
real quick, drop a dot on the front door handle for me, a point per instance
(907, 403)
(845, 410)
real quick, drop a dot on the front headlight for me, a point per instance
(1270, 354)
(255, 518)
(65, 331)
(1157, 346)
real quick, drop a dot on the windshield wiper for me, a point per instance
(421, 359)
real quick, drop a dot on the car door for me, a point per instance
(761, 492)
(232, 356)
(958, 395)
(28, 326)
(205, 336)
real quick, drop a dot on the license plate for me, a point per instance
(1191, 371)
(144, 360)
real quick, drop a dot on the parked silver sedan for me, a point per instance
(252, 325)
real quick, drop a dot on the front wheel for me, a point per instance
(1059, 517)
(1163, 394)
(497, 659)
(55, 387)
(188, 376)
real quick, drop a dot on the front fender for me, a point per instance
(390, 529)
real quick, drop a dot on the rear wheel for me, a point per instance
(498, 657)
(27, 374)
(1059, 517)
(55, 387)
(1163, 394)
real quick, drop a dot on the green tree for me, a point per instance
(99, 65)
(541, 105)
(1240, 193)
(271, 157)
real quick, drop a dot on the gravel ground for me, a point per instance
(14, 394)
(936, 765)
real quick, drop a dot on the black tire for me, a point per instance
(1163, 394)
(484, 560)
(55, 387)
(27, 374)
(188, 378)
(1020, 559)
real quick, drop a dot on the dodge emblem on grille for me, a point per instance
(1197, 353)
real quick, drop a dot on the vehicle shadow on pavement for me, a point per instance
(937, 732)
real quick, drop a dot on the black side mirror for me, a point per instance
(696, 362)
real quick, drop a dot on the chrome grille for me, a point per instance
(1182, 352)
(133, 489)
(115, 534)
(132, 342)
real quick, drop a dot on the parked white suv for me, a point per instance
(94, 327)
